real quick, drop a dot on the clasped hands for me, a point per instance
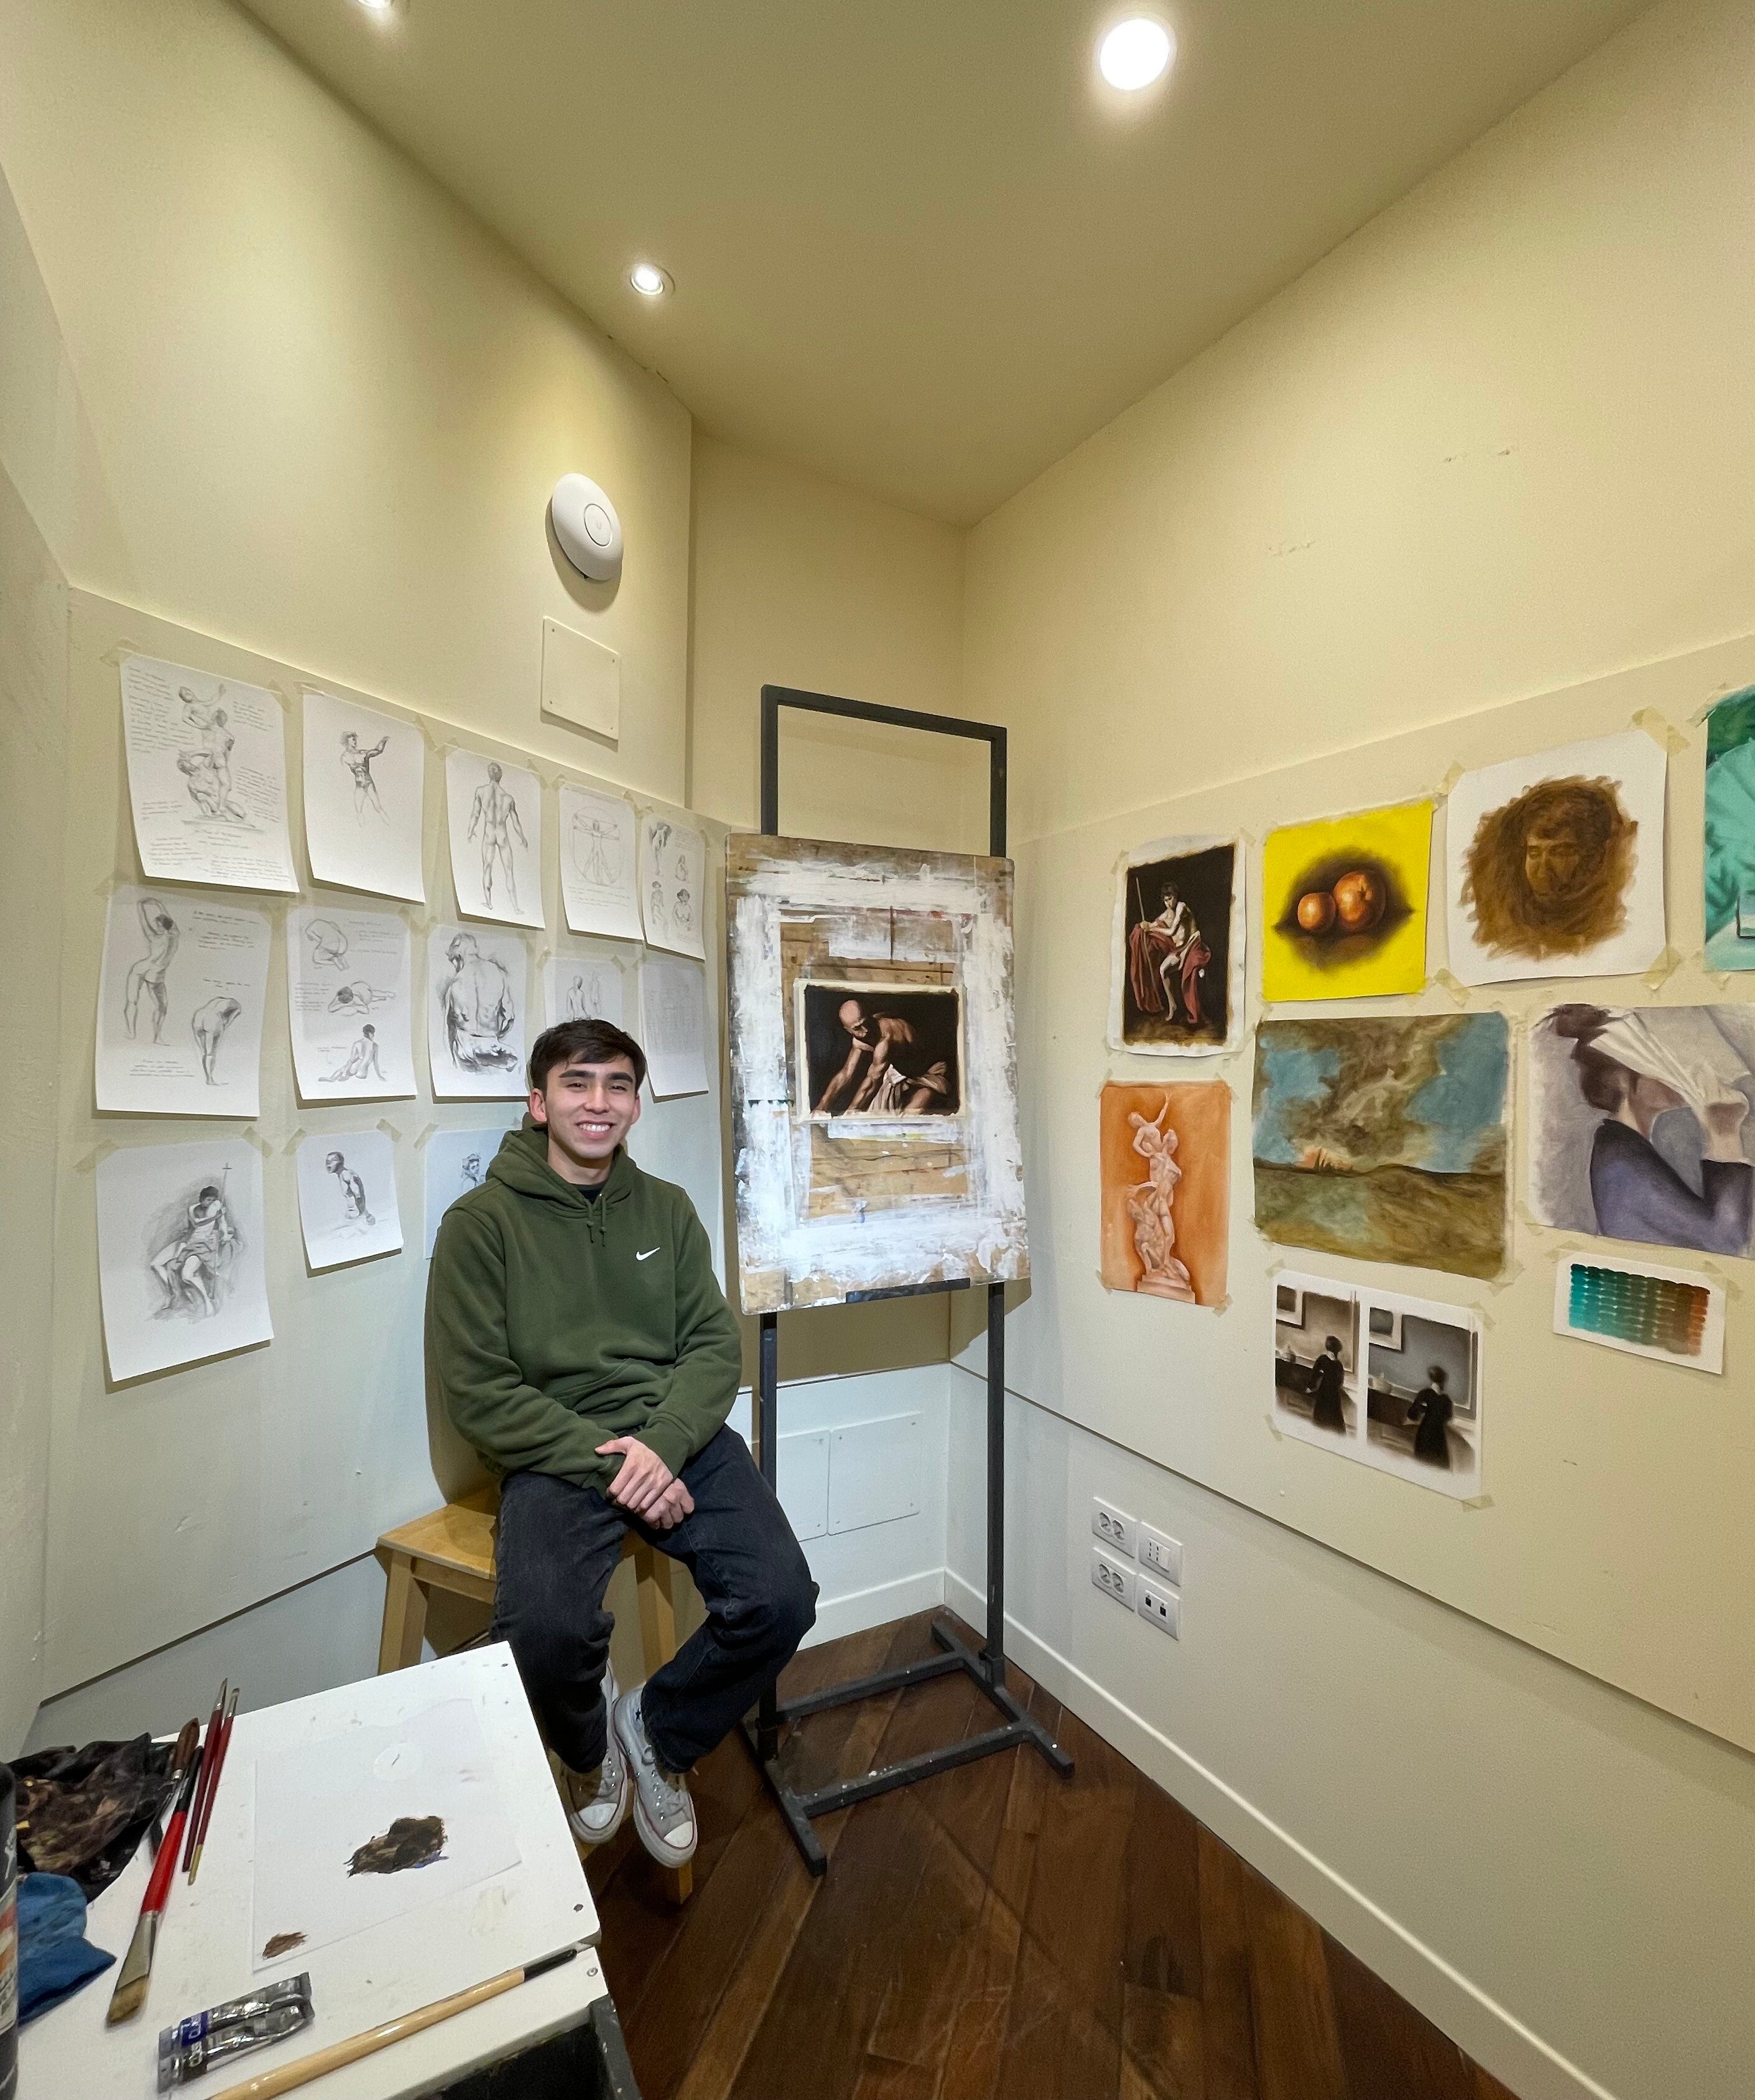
(644, 1485)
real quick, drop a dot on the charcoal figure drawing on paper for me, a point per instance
(599, 886)
(365, 776)
(358, 760)
(494, 812)
(191, 1250)
(160, 932)
(351, 1039)
(327, 944)
(494, 816)
(479, 1010)
(362, 1061)
(210, 1026)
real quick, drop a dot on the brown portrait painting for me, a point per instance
(1547, 872)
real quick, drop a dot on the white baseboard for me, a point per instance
(860, 1610)
(1479, 2024)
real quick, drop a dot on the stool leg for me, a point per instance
(404, 1616)
(657, 1643)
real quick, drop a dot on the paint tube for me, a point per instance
(196, 2044)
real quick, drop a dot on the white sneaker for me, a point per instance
(662, 1813)
(594, 1811)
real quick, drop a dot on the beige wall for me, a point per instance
(798, 582)
(1500, 441)
(307, 405)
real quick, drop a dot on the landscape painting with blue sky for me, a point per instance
(1385, 1138)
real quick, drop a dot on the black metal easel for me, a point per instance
(988, 1667)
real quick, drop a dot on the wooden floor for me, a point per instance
(993, 1934)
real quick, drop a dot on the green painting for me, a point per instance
(1730, 833)
(1385, 1138)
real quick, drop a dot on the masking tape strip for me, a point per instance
(122, 651)
(389, 1130)
(1666, 965)
(430, 1131)
(102, 1151)
(109, 885)
(293, 1143)
(1506, 1281)
(1478, 1502)
(1274, 1430)
(1660, 730)
(1452, 987)
(254, 1137)
(1453, 774)
(1220, 1304)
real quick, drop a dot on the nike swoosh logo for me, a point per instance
(649, 1254)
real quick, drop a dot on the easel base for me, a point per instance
(798, 1809)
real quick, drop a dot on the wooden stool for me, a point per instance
(453, 1550)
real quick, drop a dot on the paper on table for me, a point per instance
(477, 984)
(180, 1254)
(673, 1025)
(581, 987)
(317, 1804)
(1561, 855)
(598, 888)
(456, 1161)
(206, 776)
(347, 1196)
(350, 1002)
(494, 810)
(672, 885)
(365, 777)
(180, 998)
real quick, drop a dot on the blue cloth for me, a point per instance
(55, 1957)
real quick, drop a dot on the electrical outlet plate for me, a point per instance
(1114, 1527)
(1162, 1554)
(1161, 1607)
(1111, 1577)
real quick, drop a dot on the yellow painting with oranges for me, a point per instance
(1343, 905)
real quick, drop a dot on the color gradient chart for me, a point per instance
(1650, 1312)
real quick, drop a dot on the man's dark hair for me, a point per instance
(587, 1042)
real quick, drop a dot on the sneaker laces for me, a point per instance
(671, 1797)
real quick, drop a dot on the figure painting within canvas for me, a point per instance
(1167, 1190)
(1555, 863)
(1640, 1127)
(1390, 1383)
(1344, 904)
(1729, 829)
(873, 1071)
(1176, 986)
(1385, 1138)
(880, 1050)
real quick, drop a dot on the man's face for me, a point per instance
(852, 1019)
(588, 1109)
(1555, 859)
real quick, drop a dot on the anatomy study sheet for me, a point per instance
(456, 1161)
(673, 1025)
(349, 1001)
(347, 1196)
(494, 811)
(180, 1000)
(206, 777)
(365, 776)
(180, 1254)
(582, 988)
(599, 887)
(672, 885)
(476, 986)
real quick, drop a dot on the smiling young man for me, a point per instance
(584, 1346)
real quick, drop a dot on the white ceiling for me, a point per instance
(915, 247)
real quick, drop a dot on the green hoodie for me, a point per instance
(556, 1321)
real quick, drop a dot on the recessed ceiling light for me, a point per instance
(1134, 53)
(649, 280)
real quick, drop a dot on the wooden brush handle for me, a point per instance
(291, 2076)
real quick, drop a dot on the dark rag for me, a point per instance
(54, 1956)
(82, 1812)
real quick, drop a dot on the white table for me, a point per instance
(204, 1945)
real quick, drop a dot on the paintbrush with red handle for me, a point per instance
(209, 1751)
(136, 1971)
(211, 1788)
(187, 1742)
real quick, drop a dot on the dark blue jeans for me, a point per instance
(558, 1547)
